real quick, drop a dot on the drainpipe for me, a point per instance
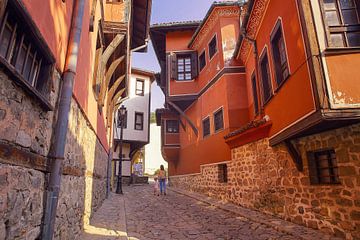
(61, 127)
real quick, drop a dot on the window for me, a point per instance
(265, 78)
(255, 95)
(139, 121)
(222, 170)
(342, 21)
(184, 66)
(218, 120)
(279, 54)
(202, 61)
(22, 53)
(140, 83)
(172, 126)
(212, 47)
(323, 167)
(125, 119)
(206, 127)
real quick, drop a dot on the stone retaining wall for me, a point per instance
(265, 178)
(27, 131)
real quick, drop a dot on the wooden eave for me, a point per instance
(140, 22)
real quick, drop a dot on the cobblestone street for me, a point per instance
(175, 216)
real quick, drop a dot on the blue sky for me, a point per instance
(168, 11)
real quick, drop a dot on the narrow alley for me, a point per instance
(138, 214)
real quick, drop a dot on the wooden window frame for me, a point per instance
(220, 110)
(255, 94)
(41, 66)
(314, 169)
(142, 121)
(183, 58)
(202, 55)
(264, 56)
(211, 55)
(114, 1)
(174, 74)
(167, 126)
(140, 92)
(343, 28)
(222, 173)
(277, 36)
(203, 127)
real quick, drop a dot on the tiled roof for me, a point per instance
(250, 125)
(173, 24)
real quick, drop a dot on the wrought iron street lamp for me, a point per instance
(121, 116)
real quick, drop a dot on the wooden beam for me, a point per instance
(116, 84)
(105, 84)
(295, 155)
(106, 55)
(192, 125)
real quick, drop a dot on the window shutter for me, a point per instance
(173, 67)
(194, 65)
(312, 168)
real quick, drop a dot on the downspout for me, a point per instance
(61, 127)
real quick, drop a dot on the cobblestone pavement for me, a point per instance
(176, 216)
(139, 215)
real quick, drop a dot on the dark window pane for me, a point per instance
(255, 95)
(27, 68)
(202, 60)
(218, 120)
(21, 58)
(353, 39)
(350, 17)
(172, 126)
(5, 41)
(212, 47)
(265, 75)
(206, 127)
(347, 4)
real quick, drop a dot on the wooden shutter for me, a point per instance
(194, 65)
(312, 168)
(173, 67)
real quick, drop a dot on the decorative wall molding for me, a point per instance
(254, 22)
(208, 27)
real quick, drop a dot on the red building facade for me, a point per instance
(287, 90)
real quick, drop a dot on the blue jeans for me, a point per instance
(162, 185)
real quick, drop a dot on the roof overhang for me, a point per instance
(140, 23)
(158, 35)
(144, 72)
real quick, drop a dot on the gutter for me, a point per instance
(61, 127)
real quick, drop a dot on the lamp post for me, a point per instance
(121, 115)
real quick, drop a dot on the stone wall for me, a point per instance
(265, 178)
(25, 137)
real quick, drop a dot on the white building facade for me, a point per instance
(136, 129)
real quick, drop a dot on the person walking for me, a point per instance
(162, 180)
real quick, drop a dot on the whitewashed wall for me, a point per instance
(134, 104)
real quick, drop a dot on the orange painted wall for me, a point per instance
(225, 93)
(53, 20)
(344, 78)
(284, 108)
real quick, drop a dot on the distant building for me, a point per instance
(153, 157)
(137, 121)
